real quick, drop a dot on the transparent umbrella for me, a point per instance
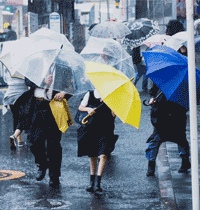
(110, 30)
(110, 52)
(37, 59)
(45, 33)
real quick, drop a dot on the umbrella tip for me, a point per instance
(132, 79)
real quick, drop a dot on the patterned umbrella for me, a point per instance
(141, 29)
(110, 30)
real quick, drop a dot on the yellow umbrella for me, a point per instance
(117, 91)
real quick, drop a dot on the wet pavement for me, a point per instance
(124, 181)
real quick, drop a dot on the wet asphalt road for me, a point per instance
(124, 181)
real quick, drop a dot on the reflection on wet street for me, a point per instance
(124, 182)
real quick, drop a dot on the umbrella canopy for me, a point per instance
(168, 69)
(141, 30)
(110, 52)
(110, 30)
(37, 59)
(181, 35)
(157, 39)
(45, 33)
(117, 91)
(14, 53)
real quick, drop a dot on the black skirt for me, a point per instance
(97, 137)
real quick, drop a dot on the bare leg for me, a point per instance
(19, 138)
(93, 165)
(102, 165)
(17, 135)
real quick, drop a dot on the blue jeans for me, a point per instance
(154, 144)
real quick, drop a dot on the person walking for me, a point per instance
(16, 87)
(96, 139)
(11, 34)
(169, 120)
(140, 65)
(43, 129)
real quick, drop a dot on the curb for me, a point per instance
(168, 200)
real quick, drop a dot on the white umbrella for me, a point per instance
(181, 35)
(193, 107)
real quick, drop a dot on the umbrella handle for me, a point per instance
(84, 120)
(144, 102)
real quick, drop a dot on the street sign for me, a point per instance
(54, 19)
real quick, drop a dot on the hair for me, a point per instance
(9, 27)
(173, 27)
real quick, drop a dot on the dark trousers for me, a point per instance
(45, 138)
(15, 112)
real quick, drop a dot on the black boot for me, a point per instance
(151, 168)
(185, 165)
(54, 181)
(98, 189)
(92, 181)
(41, 172)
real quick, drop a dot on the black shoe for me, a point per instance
(98, 190)
(151, 168)
(185, 165)
(40, 173)
(90, 189)
(54, 182)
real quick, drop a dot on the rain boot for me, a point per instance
(185, 164)
(92, 182)
(98, 189)
(151, 168)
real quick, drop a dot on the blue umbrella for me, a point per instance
(168, 69)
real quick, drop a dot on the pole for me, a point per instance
(108, 13)
(99, 11)
(148, 9)
(193, 106)
(127, 10)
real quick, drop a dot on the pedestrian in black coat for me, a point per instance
(169, 121)
(11, 34)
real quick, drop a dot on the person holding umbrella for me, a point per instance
(169, 120)
(97, 138)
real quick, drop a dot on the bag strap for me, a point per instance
(91, 96)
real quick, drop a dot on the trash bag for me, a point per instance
(61, 113)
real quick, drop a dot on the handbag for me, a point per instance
(79, 116)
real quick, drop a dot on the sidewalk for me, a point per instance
(175, 188)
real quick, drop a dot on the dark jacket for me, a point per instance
(26, 103)
(136, 57)
(11, 35)
(168, 119)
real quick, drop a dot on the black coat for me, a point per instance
(169, 120)
(26, 103)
